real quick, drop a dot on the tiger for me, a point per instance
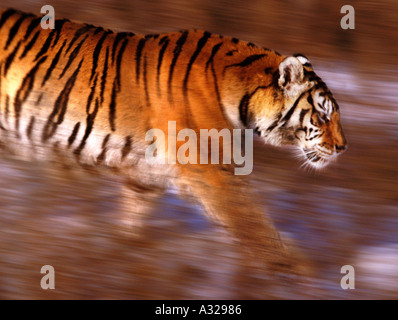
(89, 95)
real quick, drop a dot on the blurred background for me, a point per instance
(345, 214)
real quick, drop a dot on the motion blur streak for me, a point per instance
(345, 214)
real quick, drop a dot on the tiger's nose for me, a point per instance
(340, 148)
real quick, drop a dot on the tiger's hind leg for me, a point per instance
(125, 201)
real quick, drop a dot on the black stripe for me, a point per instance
(119, 37)
(39, 99)
(98, 30)
(244, 104)
(235, 40)
(146, 83)
(101, 157)
(259, 88)
(104, 75)
(201, 43)
(288, 115)
(60, 106)
(313, 111)
(73, 135)
(32, 25)
(213, 53)
(46, 45)
(138, 53)
(152, 36)
(213, 70)
(116, 40)
(72, 56)
(30, 45)
(269, 70)
(116, 85)
(230, 53)
(96, 54)
(220, 104)
(91, 95)
(310, 100)
(322, 105)
(243, 108)
(127, 147)
(7, 108)
(176, 52)
(24, 90)
(10, 58)
(89, 128)
(13, 31)
(112, 106)
(6, 15)
(58, 27)
(2, 127)
(119, 62)
(53, 65)
(274, 124)
(302, 115)
(165, 41)
(105, 141)
(78, 33)
(248, 61)
(29, 129)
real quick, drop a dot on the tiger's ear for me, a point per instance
(291, 76)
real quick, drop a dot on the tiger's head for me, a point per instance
(298, 110)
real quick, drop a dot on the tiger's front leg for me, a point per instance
(136, 202)
(228, 199)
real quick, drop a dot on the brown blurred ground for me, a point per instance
(346, 214)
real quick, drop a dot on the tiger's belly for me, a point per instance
(78, 139)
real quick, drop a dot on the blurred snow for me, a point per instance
(377, 267)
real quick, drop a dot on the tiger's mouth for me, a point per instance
(316, 158)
